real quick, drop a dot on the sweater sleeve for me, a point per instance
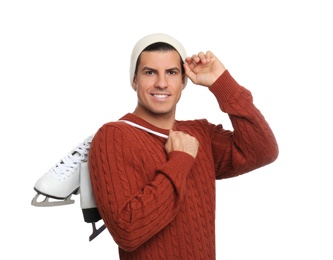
(135, 207)
(252, 143)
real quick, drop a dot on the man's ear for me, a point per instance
(134, 83)
(184, 81)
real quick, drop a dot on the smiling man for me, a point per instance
(158, 78)
(159, 82)
(153, 176)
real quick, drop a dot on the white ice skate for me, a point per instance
(63, 179)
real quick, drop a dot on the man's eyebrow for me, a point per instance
(148, 68)
(174, 68)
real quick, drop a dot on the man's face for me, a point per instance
(158, 83)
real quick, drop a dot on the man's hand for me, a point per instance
(180, 141)
(203, 69)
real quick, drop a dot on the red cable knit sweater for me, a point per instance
(162, 206)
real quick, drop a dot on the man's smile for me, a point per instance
(160, 96)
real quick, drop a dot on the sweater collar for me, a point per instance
(135, 119)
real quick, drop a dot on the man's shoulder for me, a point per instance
(117, 127)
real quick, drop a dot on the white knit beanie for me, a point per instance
(150, 39)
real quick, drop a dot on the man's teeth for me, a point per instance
(160, 95)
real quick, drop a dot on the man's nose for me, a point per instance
(161, 81)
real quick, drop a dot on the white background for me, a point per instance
(64, 72)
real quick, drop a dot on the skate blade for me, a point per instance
(96, 231)
(47, 203)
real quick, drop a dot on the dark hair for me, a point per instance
(160, 46)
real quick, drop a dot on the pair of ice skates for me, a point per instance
(70, 176)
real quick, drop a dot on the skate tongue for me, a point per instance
(82, 150)
(70, 162)
(76, 154)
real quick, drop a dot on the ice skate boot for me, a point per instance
(87, 201)
(63, 179)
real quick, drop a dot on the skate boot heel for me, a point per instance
(88, 203)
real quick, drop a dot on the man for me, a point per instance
(157, 195)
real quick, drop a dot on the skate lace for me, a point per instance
(72, 160)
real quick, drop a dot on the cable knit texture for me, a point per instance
(162, 206)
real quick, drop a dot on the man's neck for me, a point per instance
(160, 121)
